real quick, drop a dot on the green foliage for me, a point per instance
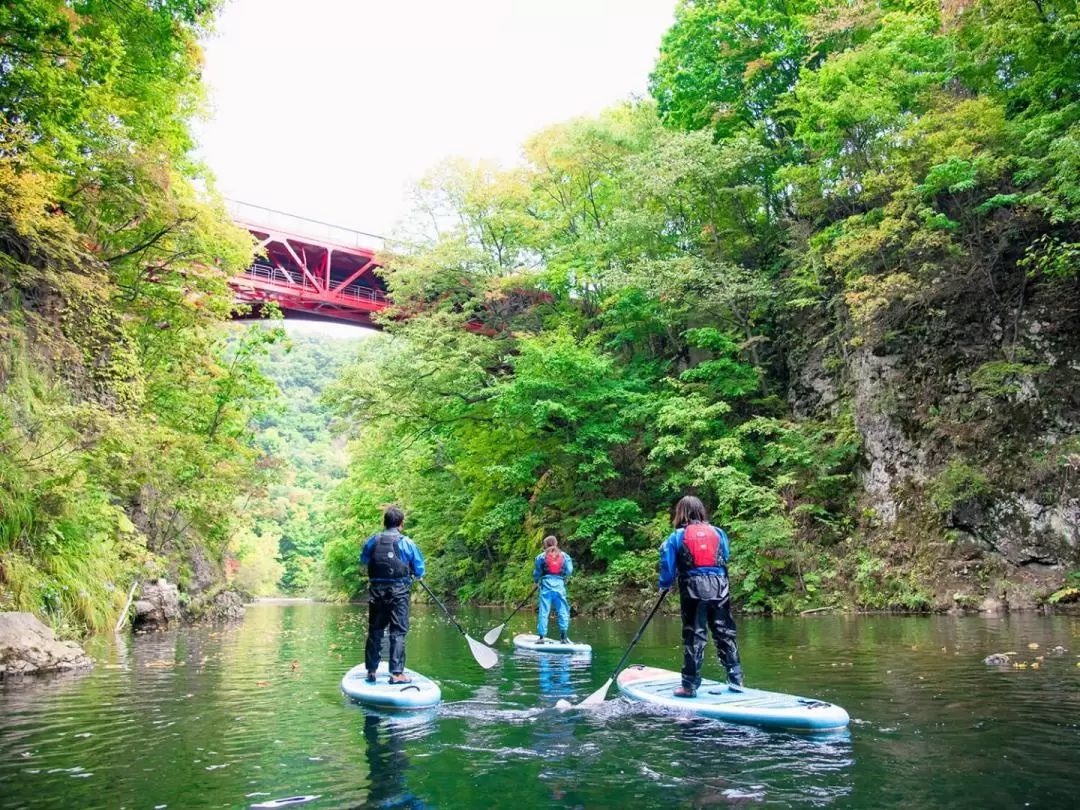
(957, 483)
(611, 324)
(1069, 594)
(126, 404)
(291, 528)
(1003, 378)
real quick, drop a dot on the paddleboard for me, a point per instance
(531, 641)
(754, 707)
(419, 694)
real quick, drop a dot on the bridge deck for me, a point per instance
(310, 266)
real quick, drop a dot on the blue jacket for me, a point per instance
(407, 551)
(553, 580)
(669, 552)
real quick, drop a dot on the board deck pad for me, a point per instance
(529, 641)
(419, 694)
(756, 707)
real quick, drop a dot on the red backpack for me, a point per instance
(553, 563)
(701, 547)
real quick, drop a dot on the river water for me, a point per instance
(234, 716)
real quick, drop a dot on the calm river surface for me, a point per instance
(219, 717)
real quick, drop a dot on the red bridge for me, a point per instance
(310, 267)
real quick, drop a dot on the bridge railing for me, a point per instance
(323, 232)
(262, 271)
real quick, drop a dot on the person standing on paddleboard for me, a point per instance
(697, 554)
(550, 571)
(392, 560)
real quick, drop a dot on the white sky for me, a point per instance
(332, 109)
(326, 329)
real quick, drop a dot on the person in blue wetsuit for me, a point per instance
(551, 570)
(696, 554)
(392, 560)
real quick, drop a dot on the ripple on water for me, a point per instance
(253, 714)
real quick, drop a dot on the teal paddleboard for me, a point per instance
(531, 641)
(754, 707)
(419, 694)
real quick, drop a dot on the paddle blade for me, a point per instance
(493, 634)
(597, 697)
(485, 656)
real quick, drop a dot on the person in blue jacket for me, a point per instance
(392, 560)
(551, 570)
(696, 554)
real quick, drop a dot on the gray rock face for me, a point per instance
(1029, 533)
(27, 646)
(158, 606)
(890, 457)
(227, 607)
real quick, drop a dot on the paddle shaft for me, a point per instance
(449, 615)
(523, 604)
(637, 636)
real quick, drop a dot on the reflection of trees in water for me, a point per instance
(554, 736)
(387, 761)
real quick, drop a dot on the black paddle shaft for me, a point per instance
(637, 636)
(523, 604)
(449, 615)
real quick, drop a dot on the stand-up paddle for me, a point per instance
(493, 634)
(485, 656)
(600, 694)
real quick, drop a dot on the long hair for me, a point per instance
(689, 510)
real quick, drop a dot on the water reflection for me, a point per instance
(385, 736)
(553, 739)
(203, 717)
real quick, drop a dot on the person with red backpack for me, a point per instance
(696, 554)
(550, 571)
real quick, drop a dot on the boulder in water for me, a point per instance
(158, 606)
(227, 607)
(27, 647)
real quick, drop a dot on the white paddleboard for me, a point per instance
(754, 707)
(419, 694)
(531, 641)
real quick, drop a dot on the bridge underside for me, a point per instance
(297, 313)
(308, 275)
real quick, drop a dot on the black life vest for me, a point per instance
(701, 548)
(385, 561)
(553, 564)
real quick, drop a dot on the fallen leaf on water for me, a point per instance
(914, 646)
(1033, 646)
(262, 683)
(1035, 665)
(1040, 657)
